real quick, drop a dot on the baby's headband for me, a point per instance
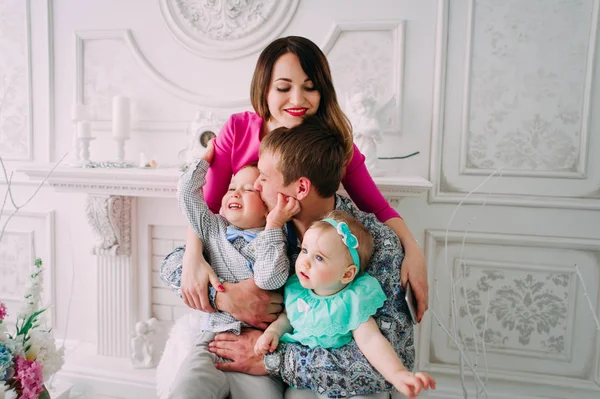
(348, 238)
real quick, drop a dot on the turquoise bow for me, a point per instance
(348, 239)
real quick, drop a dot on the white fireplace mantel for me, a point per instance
(162, 182)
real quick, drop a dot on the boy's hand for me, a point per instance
(285, 209)
(266, 343)
(210, 152)
(410, 384)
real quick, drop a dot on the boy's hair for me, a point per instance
(315, 66)
(308, 150)
(365, 240)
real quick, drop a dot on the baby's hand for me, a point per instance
(284, 210)
(411, 384)
(266, 343)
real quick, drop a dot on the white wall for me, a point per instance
(479, 85)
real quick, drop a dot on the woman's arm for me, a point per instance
(413, 266)
(362, 190)
(221, 170)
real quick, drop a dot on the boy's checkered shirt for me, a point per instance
(230, 260)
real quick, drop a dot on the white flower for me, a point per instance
(43, 349)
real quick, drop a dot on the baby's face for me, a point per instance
(242, 205)
(322, 261)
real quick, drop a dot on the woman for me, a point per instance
(292, 80)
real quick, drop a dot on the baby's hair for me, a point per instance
(365, 240)
(250, 165)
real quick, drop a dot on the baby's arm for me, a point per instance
(272, 266)
(268, 341)
(380, 353)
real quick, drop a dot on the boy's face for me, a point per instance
(242, 205)
(270, 180)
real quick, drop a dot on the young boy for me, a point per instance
(246, 241)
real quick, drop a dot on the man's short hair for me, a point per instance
(365, 240)
(309, 150)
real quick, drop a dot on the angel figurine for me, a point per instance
(142, 344)
(367, 129)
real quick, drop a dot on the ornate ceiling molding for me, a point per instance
(227, 29)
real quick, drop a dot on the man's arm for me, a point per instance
(248, 303)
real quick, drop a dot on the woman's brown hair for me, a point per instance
(315, 65)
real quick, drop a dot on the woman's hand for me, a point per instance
(196, 275)
(248, 303)
(414, 270)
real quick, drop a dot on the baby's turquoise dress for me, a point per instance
(328, 321)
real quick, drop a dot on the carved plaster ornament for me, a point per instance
(110, 219)
(227, 28)
(362, 112)
(203, 128)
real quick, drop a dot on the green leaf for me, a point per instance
(44, 394)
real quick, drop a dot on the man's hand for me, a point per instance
(240, 350)
(195, 277)
(248, 303)
(415, 271)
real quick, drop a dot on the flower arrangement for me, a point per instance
(29, 357)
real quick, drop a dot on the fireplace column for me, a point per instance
(111, 220)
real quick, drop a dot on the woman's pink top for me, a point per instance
(237, 146)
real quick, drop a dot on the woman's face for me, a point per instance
(292, 95)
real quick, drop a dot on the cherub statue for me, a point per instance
(366, 127)
(142, 344)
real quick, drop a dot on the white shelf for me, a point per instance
(162, 182)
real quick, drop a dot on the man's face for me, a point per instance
(270, 180)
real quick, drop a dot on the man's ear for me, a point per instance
(349, 274)
(303, 187)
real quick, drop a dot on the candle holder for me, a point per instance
(84, 144)
(120, 148)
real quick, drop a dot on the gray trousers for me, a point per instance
(198, 378)
(293, 393)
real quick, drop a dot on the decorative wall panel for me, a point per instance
(514, 88)
(15, 80)
(368, 58)
(515, 303)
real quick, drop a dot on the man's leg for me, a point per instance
(293, 393)
(245, 386)
(198, 377)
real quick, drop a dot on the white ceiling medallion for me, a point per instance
(226, 29)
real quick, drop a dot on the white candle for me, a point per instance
(78, 112)
(84, 129)
(121, 117)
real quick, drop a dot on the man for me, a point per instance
(307, 163)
